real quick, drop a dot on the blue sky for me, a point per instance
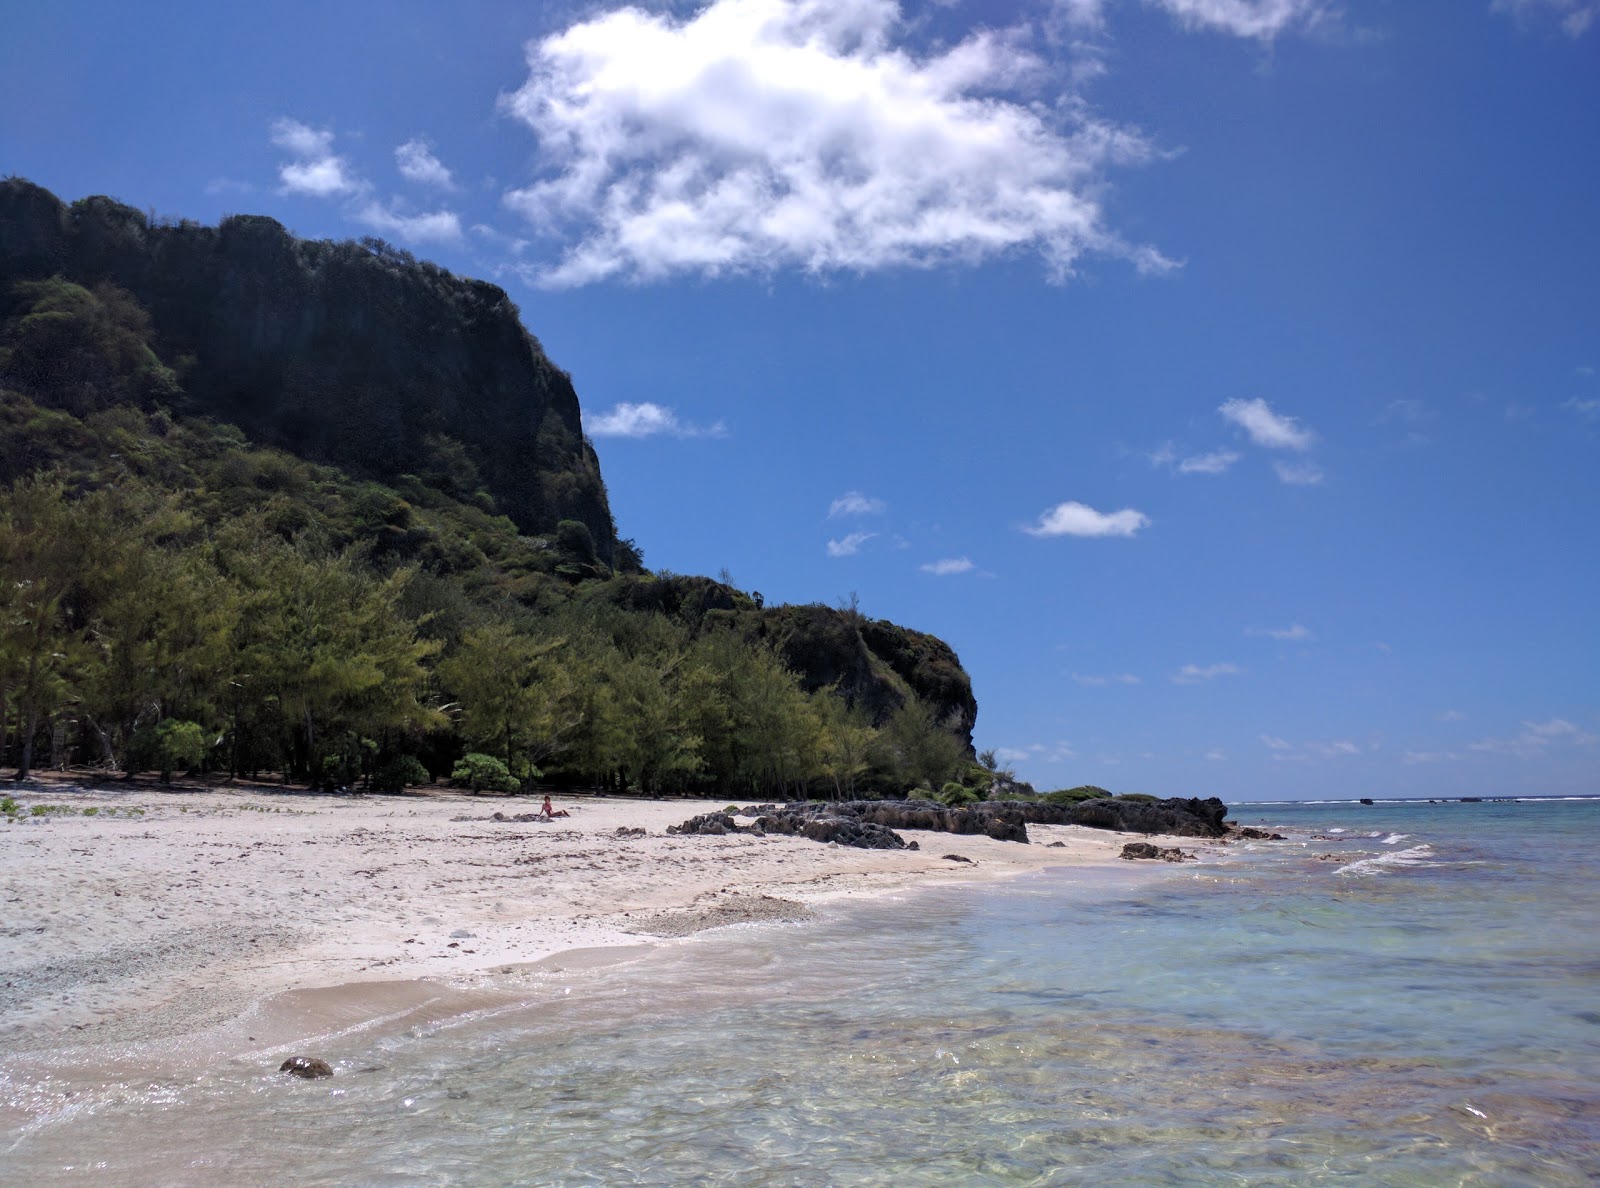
(1219, 377)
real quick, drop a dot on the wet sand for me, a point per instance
(172, 929)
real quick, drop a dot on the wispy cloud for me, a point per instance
(1079, 519)
(854, 503)
(1536, 739)
(1292, 633)
(850, 545)
(1193, 674)
(1574, 16)
(757, 135)
(947, 567)
(315, 170)
(1217, 755)
(1589, 410)
(1095, 682)
(1265, 427)
(1298, 474)
(646, 420)
(1215, 462)
(1259, 19)
(1273, 743)
(416, 162)
(440, 226)
(1414, 757)
(1450, 715)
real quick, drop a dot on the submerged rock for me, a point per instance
(307, 1067)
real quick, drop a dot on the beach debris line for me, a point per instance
(306, 1067)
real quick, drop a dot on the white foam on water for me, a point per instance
(1395, 838)
(1415, 856)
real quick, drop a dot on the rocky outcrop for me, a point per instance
(351, 353)
(1176, 817)
(1001, 821)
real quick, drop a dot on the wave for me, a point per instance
(1415, 856)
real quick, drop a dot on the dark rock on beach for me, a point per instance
(1137, 850)
(307, 1067)
(1176, 817)
(1250, 833)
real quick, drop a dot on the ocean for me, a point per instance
(1402, 993)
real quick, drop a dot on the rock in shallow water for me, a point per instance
(1134, 850)
(308, 1067)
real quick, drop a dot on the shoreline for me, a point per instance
(172, 931)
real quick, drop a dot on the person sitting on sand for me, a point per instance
(550, 811)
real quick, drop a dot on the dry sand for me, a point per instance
(182, 927)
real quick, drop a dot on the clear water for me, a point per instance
(1423, 1009)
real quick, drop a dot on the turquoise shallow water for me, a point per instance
(1398, 994)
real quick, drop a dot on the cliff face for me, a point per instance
(349, 353)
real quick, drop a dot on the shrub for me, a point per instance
(955, 794)
(1075, 795)
(179, 744)
(399, 772)
(483, 773)
(1139, 797)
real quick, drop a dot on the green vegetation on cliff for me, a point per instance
(234, 539)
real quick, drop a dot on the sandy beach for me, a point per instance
(167, 929)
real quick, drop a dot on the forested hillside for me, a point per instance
(264, 509)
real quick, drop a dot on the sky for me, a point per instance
(1217, 377)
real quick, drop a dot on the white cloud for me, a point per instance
(757, 135)
(1574, 16)
(854, 503)
(1079, 519)
(1333, 750)
(1217, 756)
(1216, 462)
(646, 420)
(1298, 474)
(1261, 19)
(1273, 743)
(1011, 754)
(1588, 409)
(1265, 427)
(316, 170)
(417, 163)
(1450, 715)
(1294, 631)
(1536, 739)
(950, 565)
(850, 545)
(1096, 682)
(1193, 674)
(440, 226)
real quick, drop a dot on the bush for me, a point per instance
(399, 772)
(1075, 795)
(955, 795)
(1139, 797)
(483, 773)
(179, 744)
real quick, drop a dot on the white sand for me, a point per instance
(176, 921)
